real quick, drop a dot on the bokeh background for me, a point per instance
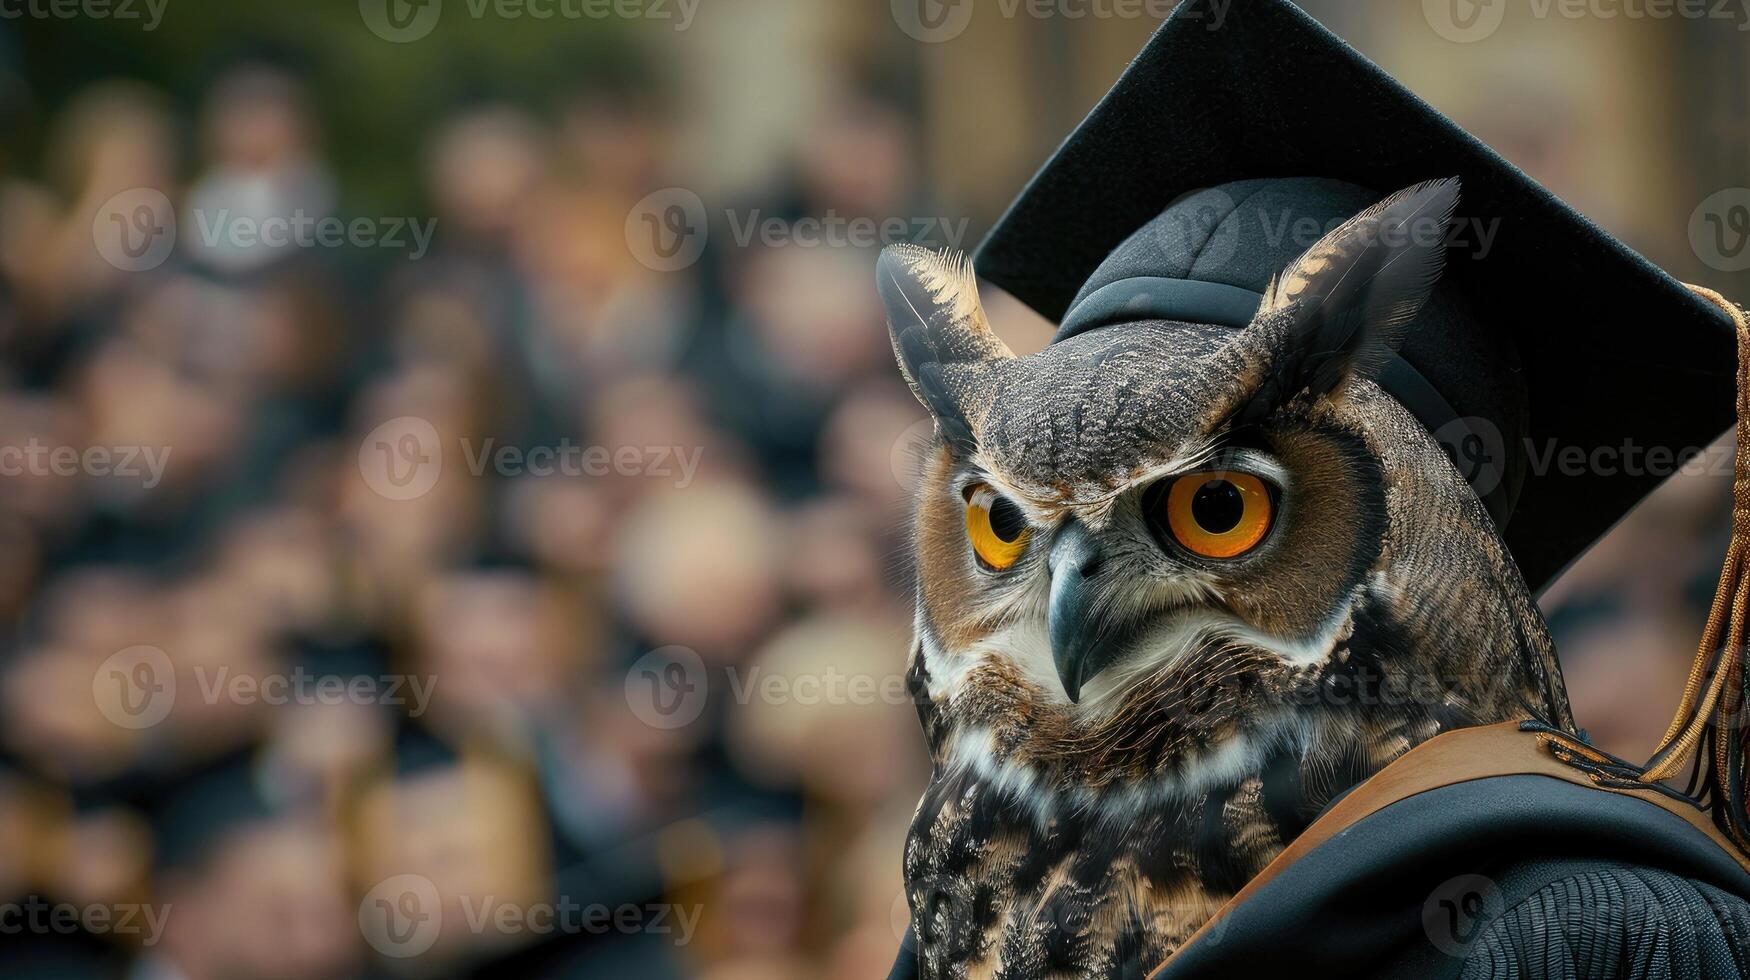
(634, 711)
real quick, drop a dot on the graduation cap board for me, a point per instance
(1563, 372)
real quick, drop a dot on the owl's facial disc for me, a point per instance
(1080, 433)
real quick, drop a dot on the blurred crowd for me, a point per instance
(638, 719)
(505, 632)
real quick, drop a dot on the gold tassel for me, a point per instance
(1713, 697)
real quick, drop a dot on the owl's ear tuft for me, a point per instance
(1342, 308)
(937, 324)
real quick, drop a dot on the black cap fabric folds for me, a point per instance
(1209, 258)
(1576, 370)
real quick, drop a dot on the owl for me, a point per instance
(1177, 587)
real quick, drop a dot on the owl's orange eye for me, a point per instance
(996, 527)
(1219, 515)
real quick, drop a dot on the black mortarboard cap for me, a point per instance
(1242, 128)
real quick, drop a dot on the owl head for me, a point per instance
(1159, 542)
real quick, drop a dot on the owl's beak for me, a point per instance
(1080, 646)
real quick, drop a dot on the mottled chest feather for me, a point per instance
(1021, 864)
(999, 890)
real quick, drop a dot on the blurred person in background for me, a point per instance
(470, 825)
(701, 570)
(247, 889)
(117, 138)
(262, 163)
(510, 649)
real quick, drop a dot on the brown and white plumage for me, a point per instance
(1124, 731)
